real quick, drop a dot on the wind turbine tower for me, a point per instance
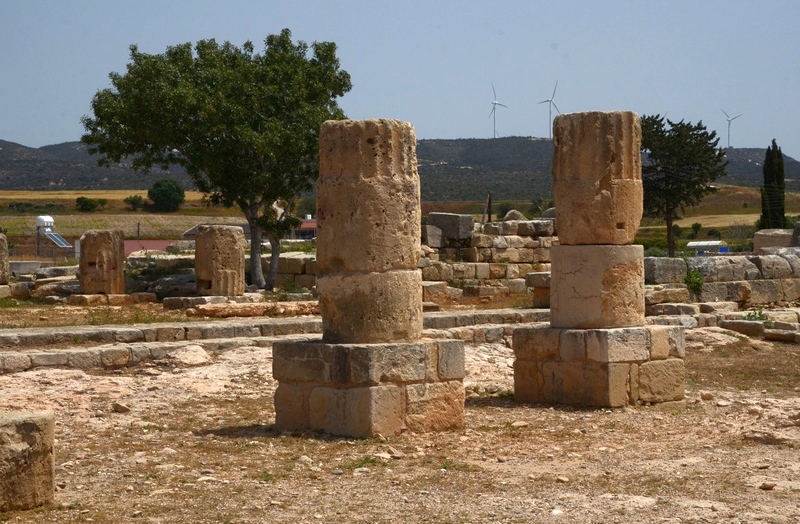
(551, 105)
(729, 125)
(493, 114)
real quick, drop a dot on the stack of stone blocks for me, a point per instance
(219, 260)
(492, 260)
(371, 373)
(597, 350)
(102, 262)
(295, 270)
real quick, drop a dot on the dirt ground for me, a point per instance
(172, 443)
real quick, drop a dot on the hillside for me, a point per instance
(517, 168)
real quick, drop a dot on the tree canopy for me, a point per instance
(682, 160)
(773, 194)
(167, 194)
(244, 125)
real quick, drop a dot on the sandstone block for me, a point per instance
(618, 345)
(664, 270)
(661, 380)
(482, 240)
(738, 291)
(102, 262)
(434, 292)
(751, 328)
(541, 297)
(718, 307)
(26, 460)
(772, 238)
(538, 279)
(772, 266)
(585, 383)
(790, 289)
(368, 194)
(291, 405)
(305, 281)
(597, 177)
(794, 262)
(450, 360)
(357, 412)
(724, 269)
(432, 236)
(597, 287)
(219, 260)
(765, 291)
(492, 228)
(482, 271)
(453, 226)
(5, 271)
(16, 362)
(528, 381)
(674, 309)
(516, 286)
(371, 307)
(665, 342)
(436, 406)
(536, 343)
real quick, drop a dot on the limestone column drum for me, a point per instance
(26, 460)
(371, 373)
(219, 260)
(102, 262)
(597, 350)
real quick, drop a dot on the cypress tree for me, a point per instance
(773, 211)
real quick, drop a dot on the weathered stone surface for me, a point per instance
(434, 292)
(793, 261)
(663, 294)
(724, 269)
(738, 291)
(357, 412)
(585, 383)
(368, 210)
(16, 362)
(772, 238)
(674, 309)
(291, 405)
(432, 236)
(219, 260)
(664, 270)
(765, 292)
(437, 406)
(751, 328)
(5, 271)
(618, 345)
(666, 341)
(26, 460)
(536, 228)
(662, 380)
(718, 307)
(597, 287)
(538, 279)
(790, 289)
(450, 360)
(371, 307)
(772, 266)
(597, 177)
(453, 226)
(102, 262)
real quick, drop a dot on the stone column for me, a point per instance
(371, 373)
(219, 260)
(102, 262)
(597, 350)
(26, 460)
(5, 272)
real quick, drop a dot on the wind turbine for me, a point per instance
(551, 104)
(495, 103)
(729, 125)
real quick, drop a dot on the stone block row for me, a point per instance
(455, 271)
(513, 241)
(364, 390)
(542, 228)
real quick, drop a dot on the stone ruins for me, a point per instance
(26, 460)
(371, 373)
(597, 350)
(102, 262)
(219, 260)
(4, 266)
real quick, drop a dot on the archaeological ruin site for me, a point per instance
(388, 389)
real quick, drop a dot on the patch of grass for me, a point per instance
(452, 465)
(363, 462)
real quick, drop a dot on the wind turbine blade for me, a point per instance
(554, 91)
(494, 92)
(498, 103)
(737, 116)
(726, 114)
(492, 111)
(543, 102)
(554, 105)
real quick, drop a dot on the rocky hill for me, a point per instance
(512, 168)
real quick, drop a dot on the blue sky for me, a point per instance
(433, 63)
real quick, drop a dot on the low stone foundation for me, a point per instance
(599, 367)
(366, 390)
(26, 460)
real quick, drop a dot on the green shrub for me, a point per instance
(694, 281)
(135, 201)
(166, 194)
(86, 205)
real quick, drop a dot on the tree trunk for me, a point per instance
(670, 237)
(256, 273)
(272, 274)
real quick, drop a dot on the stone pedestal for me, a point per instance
(370, 374)
(597, 350)
(219, 260)
(102, 262)
(26, 460)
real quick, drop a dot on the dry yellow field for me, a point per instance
(55, 196)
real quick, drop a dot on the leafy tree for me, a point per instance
(135, 201)
(244, 125)
(714, 232)
(696, 229)
(682, 160)
(677, 230)
(773, 210)
(166, 194)
(86, 205)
